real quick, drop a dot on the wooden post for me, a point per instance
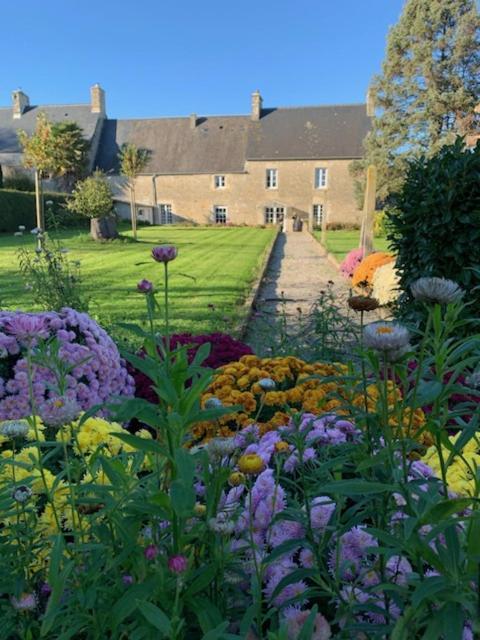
(366, 234)
(38, 200)
(133, 210)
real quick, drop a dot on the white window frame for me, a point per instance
(271, 178)
(165, 213)
(272, 215)
(321, 177)
(220, 210)
(318, 213)
(219, 181)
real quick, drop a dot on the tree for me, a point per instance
(92, 198)
(54, 149)
(428, 89)
(132, 162)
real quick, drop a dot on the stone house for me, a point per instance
(266, 167)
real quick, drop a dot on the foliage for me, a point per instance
(133, 161)
(380, 224)
(327, 524)
(92, 197)
(54, 148)
(223, 349)
(52, 279)
(18, 209)
(428, 88)
(18, 182)
(340, 243)
(96, 373)
(364, 272)
(435, 224)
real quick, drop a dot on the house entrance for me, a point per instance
(274, 215)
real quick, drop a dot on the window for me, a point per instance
(274, 215)
(271, 179)
(318, 211)
(220, 214)
(220, 182)
(166, 214)
(320, 178)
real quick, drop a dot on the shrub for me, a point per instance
(380, 224)
(351, 262)
(97, 371)
(19, 182)
(52, 279)
(363, 274)
(18, 208)
(434, 223)
(92, 197)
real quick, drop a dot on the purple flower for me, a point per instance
(145, 286)
(177, 564)
(57, 412)
(151, 552)
(26, 602)
(321, 511)
(352, 552)
(284, 530)
(127, 580)
(164, 253)
(26, 328)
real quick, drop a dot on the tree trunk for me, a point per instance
(103, 228)
(133, 211)
(38, 205)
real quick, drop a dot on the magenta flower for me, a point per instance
(177, 564)
(145, 286)
(151, 552)
(164, 253)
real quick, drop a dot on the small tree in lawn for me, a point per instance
(132, 162)
(54, 149)
(92, 198)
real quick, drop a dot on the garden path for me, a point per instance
(298, 271)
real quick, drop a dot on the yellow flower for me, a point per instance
(236, 478)
(282, 447)
(250, 463)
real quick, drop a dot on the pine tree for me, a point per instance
(428, 89)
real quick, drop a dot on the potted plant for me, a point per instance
(92, 198)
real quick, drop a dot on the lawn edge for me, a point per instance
(247, 307)
(330, 257)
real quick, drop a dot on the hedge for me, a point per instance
(18, 208)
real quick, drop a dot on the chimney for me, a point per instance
(193, 120)
(20, 102)
(370, 104)
(256, 105)
(97, 99)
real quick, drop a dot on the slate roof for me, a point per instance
(10, 150)
(217, 143)
(224, 143)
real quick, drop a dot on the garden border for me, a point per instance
(330, 257)
(247, 307)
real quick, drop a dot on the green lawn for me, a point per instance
(222, 261)
(339, 243)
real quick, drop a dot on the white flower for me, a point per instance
(435, 289)
(49, 203)
(21, 227)
(267, 384)
(221, 447)
(14, 428)
(473, 380)
(385, 284)
(18, 233)
(222, 524)
(36, 231)
(386, 336)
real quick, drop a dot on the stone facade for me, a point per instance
(193, 198)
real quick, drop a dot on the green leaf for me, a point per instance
(183, 498)
(205, 577)
(426, 394)
(355, 487)
(428, 588)
(155, 616)
(443, 510)
(142, 444)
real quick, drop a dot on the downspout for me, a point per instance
(154, 196)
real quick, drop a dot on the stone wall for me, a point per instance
(193, 197)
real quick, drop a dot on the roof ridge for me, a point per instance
(199, 115)
(317, 106)
(39, 106)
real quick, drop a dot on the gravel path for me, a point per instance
(297, 273)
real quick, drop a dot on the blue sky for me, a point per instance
(167, 57)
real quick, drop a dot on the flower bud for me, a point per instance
(236, 478)
(250, 463)
(151, 552)
(164, 253)
(177, 564)
(267, 384)
(213, 403)
(22, 494)
(145, 286)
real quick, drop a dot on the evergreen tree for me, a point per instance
(428, 89)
